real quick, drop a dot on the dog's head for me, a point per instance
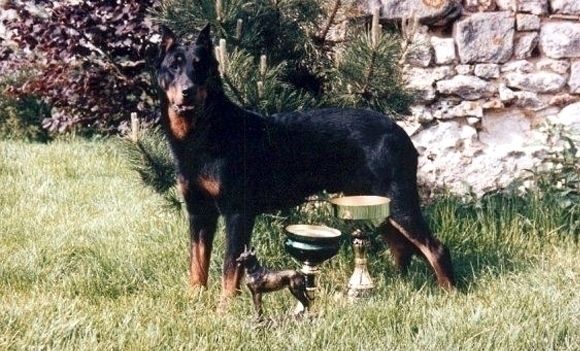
(186, 73)
(247, 258)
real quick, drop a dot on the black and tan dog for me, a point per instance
(238, 164)
(261, 280)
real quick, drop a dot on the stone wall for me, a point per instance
(489, 74)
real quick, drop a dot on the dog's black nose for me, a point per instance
(187, 93)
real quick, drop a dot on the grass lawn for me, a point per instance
(90, 260)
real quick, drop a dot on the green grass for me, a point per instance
(89, 260)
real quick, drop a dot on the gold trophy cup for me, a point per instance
(359, 211)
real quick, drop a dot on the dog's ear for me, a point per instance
(168, 39)
(252, 251)
(204, 39)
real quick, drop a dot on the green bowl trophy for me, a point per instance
(360, 211)
(311, 245)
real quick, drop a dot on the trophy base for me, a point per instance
(360, 284)
(352, 293)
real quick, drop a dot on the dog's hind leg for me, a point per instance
(434, 251)
(401, 248)
(407, 219)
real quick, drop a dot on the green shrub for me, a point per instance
(21, 118)
(557, 179)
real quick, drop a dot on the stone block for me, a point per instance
(566, 7)
(444, 50)
(442, 72)
(560, 39)
(557, 66)
(420, 81)
(574, 81)
(419, 53)
(506, 5)
(479, 5)
(528, 100)
(518, 66)
(570, 115)
(540, 82)
(422, 114)
(486, 70)
(537, 7)
(563, 99)
(526, 22)
(485, 37)
(525, 45)
(466, 87)
(427, 11)
(464, 69)
(505, 93)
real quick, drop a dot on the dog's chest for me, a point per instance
(255, 277)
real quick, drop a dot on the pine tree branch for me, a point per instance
(321, 38)
(234, 90)
(370, 73)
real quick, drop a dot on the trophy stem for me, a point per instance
(310, 273)
(360, 283)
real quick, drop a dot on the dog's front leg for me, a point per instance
(238, 233)
(202, 230)
(203, 216)
(257, 299)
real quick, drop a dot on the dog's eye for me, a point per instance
(175, 63)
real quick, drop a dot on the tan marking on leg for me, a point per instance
(182, 186)
(230, 286)
(442, 278)
(211, 185)
(401, 249)
(200, 255)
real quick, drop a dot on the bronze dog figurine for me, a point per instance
(261, 280)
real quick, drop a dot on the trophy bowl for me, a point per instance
(311, 244)
(361, 207)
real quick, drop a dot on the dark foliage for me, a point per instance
(20, 118)
(318, 53)
(89, 61)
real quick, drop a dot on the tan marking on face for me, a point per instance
(200, 95)
(211, 185)
(174, 95)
